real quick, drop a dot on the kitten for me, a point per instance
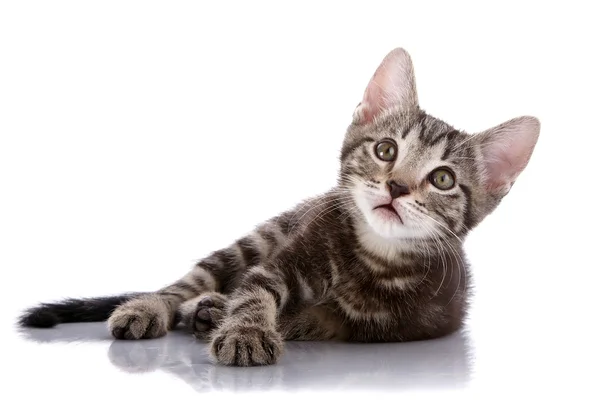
(378, 258)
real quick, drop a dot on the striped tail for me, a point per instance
(93, 309)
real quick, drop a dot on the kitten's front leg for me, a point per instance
(248, 335)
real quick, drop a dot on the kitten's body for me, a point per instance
(338, 266)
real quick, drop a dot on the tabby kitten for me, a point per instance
(377, 258)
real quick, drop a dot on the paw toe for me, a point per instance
(206, 302)
(118, 332)
(203, 314)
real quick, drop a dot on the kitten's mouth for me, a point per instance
(389, 210)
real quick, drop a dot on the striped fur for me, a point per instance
(336, 267)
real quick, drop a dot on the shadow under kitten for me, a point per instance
(443, 363)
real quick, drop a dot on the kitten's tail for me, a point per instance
(93, 309)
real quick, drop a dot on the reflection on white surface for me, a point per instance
(435, 364)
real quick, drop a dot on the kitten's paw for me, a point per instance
(209, 313)
(246, 346)
(203, 314)
(142, 318)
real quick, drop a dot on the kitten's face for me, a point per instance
(410, 175)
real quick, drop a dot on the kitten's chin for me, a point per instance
(385, 221)
(388, 228)
(388, 224)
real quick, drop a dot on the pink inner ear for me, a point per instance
(392, 86)
(507, 149)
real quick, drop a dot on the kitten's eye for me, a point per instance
(442, 178)
(386, 150)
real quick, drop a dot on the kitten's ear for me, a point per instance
(392, 86)
(506, 150)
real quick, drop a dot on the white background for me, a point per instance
(137, 136)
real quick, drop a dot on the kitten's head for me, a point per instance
(411, 175)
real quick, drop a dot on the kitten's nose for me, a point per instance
(397, 189)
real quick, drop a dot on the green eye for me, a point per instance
(442, 178)
(386, 150)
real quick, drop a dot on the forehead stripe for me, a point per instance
(449, 138)
(351, 147)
